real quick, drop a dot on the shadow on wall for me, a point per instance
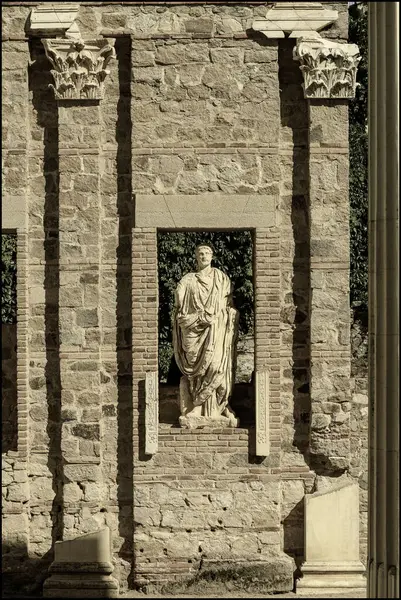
(294, 117)
(293, 525)
(22, 576)
(9, 416)
(47, 121)
(125, 209)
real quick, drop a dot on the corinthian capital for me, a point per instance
(79, 67)
(328, 68)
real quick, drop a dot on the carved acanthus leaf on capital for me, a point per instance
(329, 68)
(79, 67)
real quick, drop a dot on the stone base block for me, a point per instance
(326, 578)
(198, 422)
(80, 580)
(82, 568)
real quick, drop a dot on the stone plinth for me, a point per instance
(332, 542)
(82, 568)
(197, 422)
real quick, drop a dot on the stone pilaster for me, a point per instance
(329, 262)
(329, 71)
(78, 90)
(79, 315)
(383, 535)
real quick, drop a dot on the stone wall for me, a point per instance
(199, 501)
(195, 103)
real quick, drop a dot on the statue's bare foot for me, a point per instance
(229, 413)
(195, 412)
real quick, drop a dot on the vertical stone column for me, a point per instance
(329, 72)
(78, 80)
(383, 536)
(79, 315)
(330, 348)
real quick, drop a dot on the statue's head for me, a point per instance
(204, 255)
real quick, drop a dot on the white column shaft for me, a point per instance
(383, 299)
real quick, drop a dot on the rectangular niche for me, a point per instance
(233, 254)
(155, 217)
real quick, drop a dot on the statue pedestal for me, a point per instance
(82, 568)
(197, 422)
(332, 542)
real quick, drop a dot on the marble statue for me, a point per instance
(204, 338)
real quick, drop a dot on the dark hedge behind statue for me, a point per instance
(233, 252)
(358, 147)
(8, 278)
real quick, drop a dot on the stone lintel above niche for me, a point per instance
(207, 211)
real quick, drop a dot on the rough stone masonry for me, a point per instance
(112, 112)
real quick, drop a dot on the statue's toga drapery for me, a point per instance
(204, 332)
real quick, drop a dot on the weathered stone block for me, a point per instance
(320, 421)
(199, 25)
(227, 55)
(15, 529)
(82, 472)
(88, 432)
(261, 55)
(18, 492)
(42, 489)
(181, 54)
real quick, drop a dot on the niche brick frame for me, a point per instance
(257, 213)
(22, 342)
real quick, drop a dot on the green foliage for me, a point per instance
(358, 144)
(8, 278)
(176, 257)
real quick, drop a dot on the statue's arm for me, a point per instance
(183, 317)
(179, 297)
(189, 319)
